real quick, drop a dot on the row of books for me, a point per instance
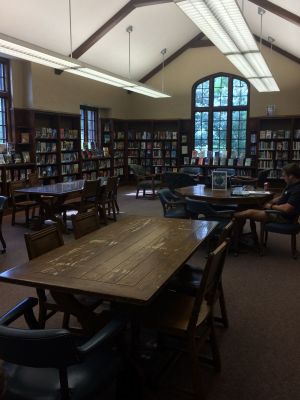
(89, 165)
(14, 175)
(118, 171)
(119, 135)
(119, 145)
(47, 171)
(296, 146)
(278, 134)
(273, 145)
(139, 135)
(163, 162)
(216, 161)
(69, 157)
(165, 135)
(45, 147)
(89, 175)
(296, 155)
(104, 164)
(69, 169)
(164, 153)
(68, 145)
(119, 162)
(297, 134)
(15, 158)
(161, 170)
(46, 133)
(45, 159)
(66, 133)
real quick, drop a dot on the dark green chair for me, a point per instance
(144, 181)
(173, 206)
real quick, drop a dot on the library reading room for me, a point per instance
(149, 199)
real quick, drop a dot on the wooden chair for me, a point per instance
(106, 201)
(290, 228)
(88, 199)
(21, 202)
(40, 243)
(189, 278)
(33, 179)
(3, 205)
(84, 223)
(115, 194)
(190, 318)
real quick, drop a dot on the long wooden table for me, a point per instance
(128, 261)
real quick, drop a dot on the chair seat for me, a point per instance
(26, 383)
(176, 213)
(172, 311)
(149, 184)
(283, 228)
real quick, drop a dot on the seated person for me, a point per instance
(288, 203)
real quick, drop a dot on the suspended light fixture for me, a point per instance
(29, 52)
(223, 23)
(163, 53)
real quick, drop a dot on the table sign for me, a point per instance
(219, 180)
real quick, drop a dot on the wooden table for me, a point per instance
(128, 261)
(201, 192)
(58, 192)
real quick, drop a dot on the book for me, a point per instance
(248, 162)
(240, 162)
(184, 150)
(230, 162)
(26, 156)
(2, 159)
(24, 137)
(223, 161)
(186, 160)
(219, 180)
(17, 158)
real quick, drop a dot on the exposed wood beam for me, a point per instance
(142, 3)
(281, 12)
(177, 53)
(112, 22)
(104, 29)
(279, 50)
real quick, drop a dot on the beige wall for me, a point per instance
(38, 87)
(193, 64)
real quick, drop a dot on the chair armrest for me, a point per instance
(270, 211)
(110, 330)
(23, 308)
(225, 213)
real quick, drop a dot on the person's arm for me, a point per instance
(286, 208)
(275, 200)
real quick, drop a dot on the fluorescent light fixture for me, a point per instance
(271, 84)
(26, 51)
(223, 23)
(39, 55)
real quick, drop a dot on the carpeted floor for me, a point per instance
(260, 351)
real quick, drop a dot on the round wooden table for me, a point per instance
(201, 192)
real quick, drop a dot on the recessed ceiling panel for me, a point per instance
(290, 5)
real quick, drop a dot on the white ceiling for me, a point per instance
(46, 23)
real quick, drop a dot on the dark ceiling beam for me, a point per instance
(198, 41)
(281, 12)
(191, 43)
(112, 22)
(279, 50)
(142, 3)
(104, 29)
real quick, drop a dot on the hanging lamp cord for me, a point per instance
(70, 28)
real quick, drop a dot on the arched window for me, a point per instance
(220, 113)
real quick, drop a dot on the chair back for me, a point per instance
(262, 176)
(84, 223)
(89, 190)
(41, 242)
(226, 232)
(206, 292)
(3, 202)
(33, 179)
(14, 185)
(166, 196)
(196, 207)
(38, 348)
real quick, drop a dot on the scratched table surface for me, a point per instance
(127, 261)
